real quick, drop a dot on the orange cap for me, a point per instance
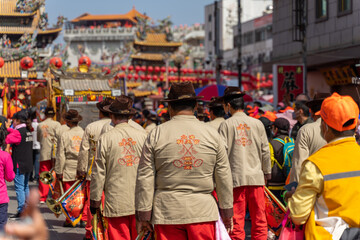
(337, 110)
(270, 115)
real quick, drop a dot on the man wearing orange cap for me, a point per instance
(327, 198)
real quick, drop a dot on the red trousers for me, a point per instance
(194, 231)
(254, 198)
(122, 228)
(44, 188)
(84, 216)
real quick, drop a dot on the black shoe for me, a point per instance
(82, 224)
(17, 215)
(85, 238)
(68, 225)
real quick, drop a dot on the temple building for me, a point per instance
(106, 38)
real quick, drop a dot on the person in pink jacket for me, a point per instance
(6, 173)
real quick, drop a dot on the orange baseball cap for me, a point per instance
(338, 110)
(270, 115)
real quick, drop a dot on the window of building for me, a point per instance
(260, 35)
(209, 18)
(210, 36)
(248, 38)
(344, 7)
(269, 32)
(321, 9)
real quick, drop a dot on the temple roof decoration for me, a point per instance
(157, 40)
(12, 69)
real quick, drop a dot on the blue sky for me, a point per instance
(181, 11)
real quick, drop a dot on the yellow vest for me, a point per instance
(339, 163)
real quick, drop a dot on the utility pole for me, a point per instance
(304, 44)
(217, 42)
(239, 44)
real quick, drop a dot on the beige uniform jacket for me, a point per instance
(150, 127)
(181, 161)
(115, 169)
(69, 147)
(46, 135)
(63, 128)
(108, 127)
(248, 149)
(308, 141)
(88, 145)
(216, 122)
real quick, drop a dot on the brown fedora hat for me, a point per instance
(72, 116)
(232, 92)
(200, 112)
(107, 101)
(181, 92)
(216, 102)
(122, 105)
(317, 101)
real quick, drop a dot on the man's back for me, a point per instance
(248, 149)
(46, 135)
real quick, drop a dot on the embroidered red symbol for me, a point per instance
(128, 150)
(242, 138)
(188, 159)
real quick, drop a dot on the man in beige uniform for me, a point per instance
(217, 113)
(69, 147)
(115, 170)
(181, 161)
(46, 136)
(150, 122)
(309, 138)
(108, 127)
(249, 155)
(86, 155)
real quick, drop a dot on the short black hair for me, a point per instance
(301, 105)
(237, 103)
(105, 114)
(178, 106)
(218, 111)
(121, 116)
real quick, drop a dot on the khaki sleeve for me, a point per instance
(265, 152)
(311, 185)
(83, 159)
(223, 131)
(98, 175)
(223, 180)
(55, 140)
(145, 182)
(61, 157)
(301, 153)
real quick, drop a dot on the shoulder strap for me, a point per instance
(280, 140)
(272, 157)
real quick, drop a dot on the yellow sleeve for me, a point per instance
(311, 184)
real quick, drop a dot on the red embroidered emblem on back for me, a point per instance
(128, 150)
(188, 159)
(242, 138)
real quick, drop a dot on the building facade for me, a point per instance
(332, 42)
(106, 38)
(227, 19)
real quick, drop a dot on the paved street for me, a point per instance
(54, 224)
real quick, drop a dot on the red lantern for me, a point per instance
(118, 76)
(263, 79)
(150, 68)
(161, 78)
(170, 69)
(85, 60)
(142, 77)
(137, 68)
(136, 76)
(148, 77)
(175, 69)
(184, 70)
(154, 77)
(106, 70)
(270, 76)
(190, 71)
(211, 72)
(56, 62)
(129, 76)
(26, 63)
(143, 68)
(2, 62)
(163, 69)
(157, 69)
(130, 68)
(123, 67)
(200, 71)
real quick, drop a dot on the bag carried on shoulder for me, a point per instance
(290, 231)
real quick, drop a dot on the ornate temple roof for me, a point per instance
(131, 15)
(157, 40)
(11, 69)
(8, 8)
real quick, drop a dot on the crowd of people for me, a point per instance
(174, 171)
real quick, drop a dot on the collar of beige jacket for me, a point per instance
(239, 114)
(184, 117)
(120, 125)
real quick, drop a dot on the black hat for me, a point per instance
(267, 123)
(49, 111)
(282, 124)
(72, 116)
(107, 101)
(216, 102)
(181, 92)
(232, 92)
(122, 105)
(315, 104)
